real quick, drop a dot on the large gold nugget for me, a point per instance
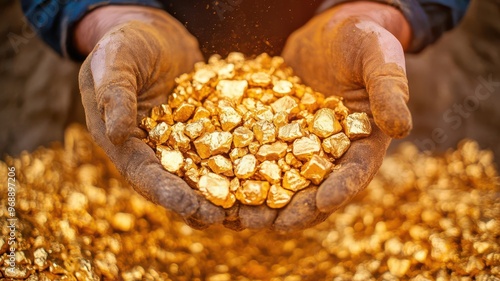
(232, 89)
(183, 112)
(194, 130)
(221, 165)
(272, 151)
(253, 192)
(265, 131)
(280, 119)
(270, 171)
(213, 143)
(282, 87)
(251, 121)
(178, 140)
(278, 197)
(336, 145)
(331, 102)
(324, 123)
(242, 137)
(226, 72)
(192, 177)
(309, 102)
(294, 181)
(316, 169)
(216, 189)
(148, 123)
(286, 104)
(246, 167)
(260, 79)
(163, 113)
(357, 125)
(203, 75)
(305, 147)
(263, 113)
(160, 133)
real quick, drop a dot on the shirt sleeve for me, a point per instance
(428, 19)
(53, 20)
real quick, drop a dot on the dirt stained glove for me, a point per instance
(352, 51)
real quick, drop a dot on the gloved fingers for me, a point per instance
(257, 217)
(353, 172)
(383, 67)
(300, 213)
(135, 160)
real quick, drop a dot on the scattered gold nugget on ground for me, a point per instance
(251, 120)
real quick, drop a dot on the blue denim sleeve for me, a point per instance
(428, 19)
(53, 20)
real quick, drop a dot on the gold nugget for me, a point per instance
(270, 171)
(324, 123)
(246, 167)
(278, 197)
(336, 145)
(253, 192)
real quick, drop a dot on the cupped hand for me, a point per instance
(131, 67)
(355, 51)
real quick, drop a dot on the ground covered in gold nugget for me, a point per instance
(422, 218)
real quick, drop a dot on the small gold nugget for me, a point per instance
(247, 130)
(357, 125)
(213, 144)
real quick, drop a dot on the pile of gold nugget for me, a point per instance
(422, 218)
(247, 130)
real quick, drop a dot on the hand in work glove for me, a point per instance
(354, 50)
(135, 54)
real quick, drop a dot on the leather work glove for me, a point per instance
(354, 50)
(131, 69)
